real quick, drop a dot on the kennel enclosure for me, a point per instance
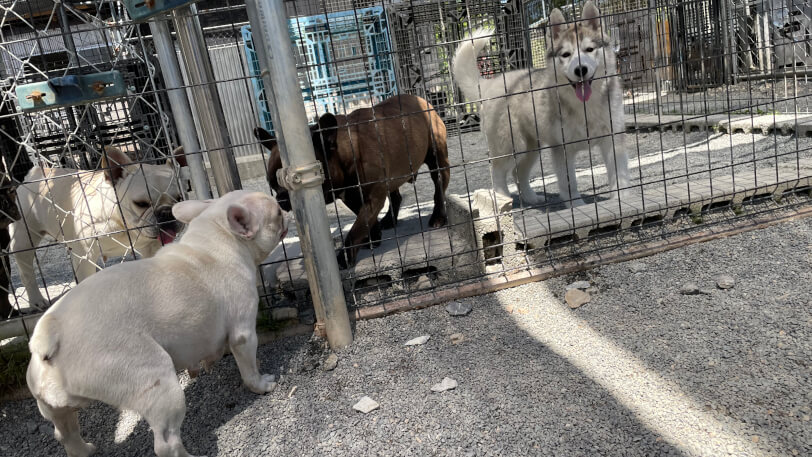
(716, 102)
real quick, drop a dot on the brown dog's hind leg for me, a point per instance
(440, 174)
(365, 224)
(391, 219)
(353, 200)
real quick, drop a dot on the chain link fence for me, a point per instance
(712, 111)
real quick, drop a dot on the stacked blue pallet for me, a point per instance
(345, 61)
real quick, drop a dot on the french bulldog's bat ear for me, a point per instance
(557, 24)
(591, 15)
(266, 139)
(179, 158)
(114, 163)
(187, 210)
(242, 221)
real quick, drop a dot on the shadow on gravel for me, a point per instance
(212, 400)
(740, 355)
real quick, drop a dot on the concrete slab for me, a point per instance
(786, 124)
(539, 228)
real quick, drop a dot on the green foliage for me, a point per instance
(13, 363)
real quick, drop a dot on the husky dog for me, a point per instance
(581, 99)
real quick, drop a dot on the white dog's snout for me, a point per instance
(578, 64)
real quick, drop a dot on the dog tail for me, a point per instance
(45, 342)
(464, 67)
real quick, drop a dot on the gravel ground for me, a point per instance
(639, 370)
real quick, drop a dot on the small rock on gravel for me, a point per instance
(417, 341)
(582, 285)
(366, 405)
(725, 282)
(446, 384)
(576, 298)
(458, 309)
(457, 338)
(689, 289)
(638, 267)
(331, 363)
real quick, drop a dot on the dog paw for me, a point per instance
(84, 451)
(531, 198)
(437, 221)
(39, 303)
(266, 384)
(387, 222)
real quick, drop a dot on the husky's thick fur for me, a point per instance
(577, 97)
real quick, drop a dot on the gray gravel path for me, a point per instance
(639, 370)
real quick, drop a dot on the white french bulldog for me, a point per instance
(122, 335)
(107, 212)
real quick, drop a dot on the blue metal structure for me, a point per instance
(345, 61)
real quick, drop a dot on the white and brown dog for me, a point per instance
(174, 311)
(108, 212)
(577, 97)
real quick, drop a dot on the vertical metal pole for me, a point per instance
(272, 43)
(654, 37)
(207, 99)
(73, 63)
(181, 110)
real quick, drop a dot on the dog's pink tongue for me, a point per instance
(583, 90)
(167, 236)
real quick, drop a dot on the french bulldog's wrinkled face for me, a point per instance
(146, 195)
(580, 52)
(254, 217)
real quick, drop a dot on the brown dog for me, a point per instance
(367, 155)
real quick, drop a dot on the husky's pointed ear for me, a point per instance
(187, 210)
(557, 24)
(114, 163)
(591, 15)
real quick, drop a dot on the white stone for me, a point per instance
(366, 405)
(418, 341)
(446, 384)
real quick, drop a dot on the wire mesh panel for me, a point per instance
(422, 34)
(691, 139)
(446, 160)
(342, 37)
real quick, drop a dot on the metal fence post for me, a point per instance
(274, 49)
(207, 100)
(181, 110)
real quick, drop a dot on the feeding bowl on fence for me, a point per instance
(71, 90)
(143, 10)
